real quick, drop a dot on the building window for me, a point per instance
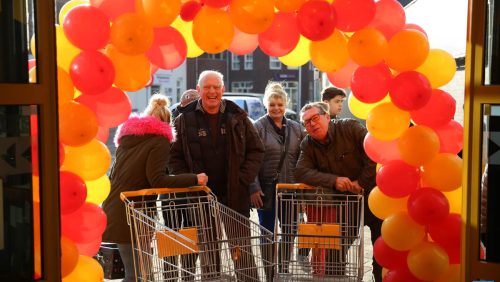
(248, 60)
(274, 63)
(292, 88)
(218, 56)
(178, 87)
(235, 62)
(242, 86)
(155, 89)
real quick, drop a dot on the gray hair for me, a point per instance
(274, 90)
(321, 106)
(206, 73)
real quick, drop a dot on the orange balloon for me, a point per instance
(408, 49)
(401, 232)
(331, 54)
(383, 206)
(65, 87)
(131, 34)
(213, 30)
(131, 72)
(77, 124)
(428, 261)
(439, 67)
(288, 5)
(418, 145)
(36, 236)
(32, 75)
(452, 275)
(159, 13)
(444, 172)
(89, 161)
(387, 122)
(252, 16)
(367, 47)
(87, 269)
(69, 256)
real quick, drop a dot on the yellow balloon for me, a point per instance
(33, 46)
(87, 269)
(401, 232)
(66, 51)
(455, 199)
(382, 206)
(90, 161)
(299, 55)
(452, 275)
(32, 75)
(360, 109)
(331, 54)
(439, 67)
(428, 261)
(68, 6)
(444, 172)
(98, 190)
(131, 72)
(387, 122)
(65, 87)
(213, 30)
(186, 29)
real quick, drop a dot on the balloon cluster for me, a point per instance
(106, 47)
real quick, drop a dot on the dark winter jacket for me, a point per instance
(244, 152)
(344, 155)
(141, 162)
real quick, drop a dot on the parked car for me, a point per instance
(253, 105)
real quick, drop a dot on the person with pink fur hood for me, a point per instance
(143, 148)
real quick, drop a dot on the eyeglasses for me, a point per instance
(314, 118)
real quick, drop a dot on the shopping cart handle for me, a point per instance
(160, 191)
(296, 186)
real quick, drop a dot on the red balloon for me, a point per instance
(381, 151)
(102, 134)
(189, 10)
(371, 84)
(388, 257)
(439, 111)
(169, 49)
(342, 78)
(428, 206)
(389, 17)
(281, 37)
(397, 179)
(112, 108)
(400, 275)
(216, 3)
(89, 249)
(114, 8)
(450, 137)
(72, 192)
(316, 19)
(87, 27)
(92, 72)
(410, 90)
(447, 232)
(416, 27)
(85, 224)
(353, 15)
(31, 64)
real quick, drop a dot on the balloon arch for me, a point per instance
(107, 47)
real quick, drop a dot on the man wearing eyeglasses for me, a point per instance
(332, 157)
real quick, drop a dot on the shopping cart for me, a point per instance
(186, 235)
(331, 238)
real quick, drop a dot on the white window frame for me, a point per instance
(274, 63)
(242, 86)
(248, 61)
(235, 62)
(292, 89)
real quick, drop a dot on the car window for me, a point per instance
(255, 108)
(239, 102)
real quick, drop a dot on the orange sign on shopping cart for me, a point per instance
(319, 236)
(171, 243)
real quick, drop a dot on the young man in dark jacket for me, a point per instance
(332, 156)
(217, 137)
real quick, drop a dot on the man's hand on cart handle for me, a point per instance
(343, 184)
(357, 189)
(202, 179)
(256, 199)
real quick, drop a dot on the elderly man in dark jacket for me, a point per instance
(332, 156)
(218, 138)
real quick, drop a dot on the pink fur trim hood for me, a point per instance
(142, 125)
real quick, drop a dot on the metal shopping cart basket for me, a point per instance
(328, 244)
(186, 235)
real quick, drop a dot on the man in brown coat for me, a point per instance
(332, 156)
(217, 137)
